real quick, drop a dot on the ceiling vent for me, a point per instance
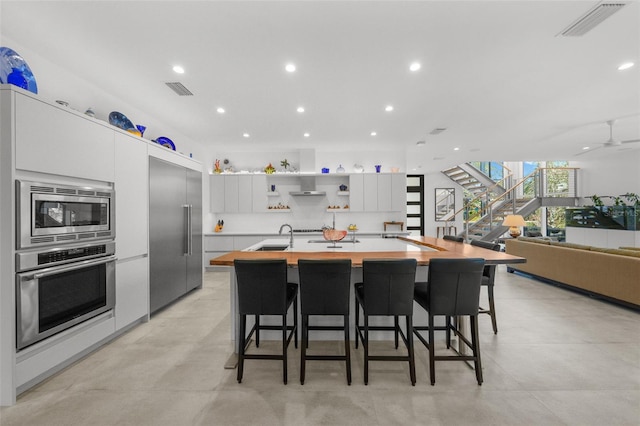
(179, 89)
(437, 130)
(591, 19)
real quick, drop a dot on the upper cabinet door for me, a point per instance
(384, 192)
(370, 192)
(51, 139)
(399, 192)
(132, 196)
(231, 186)
(216, 193)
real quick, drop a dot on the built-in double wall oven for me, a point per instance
(65, 258)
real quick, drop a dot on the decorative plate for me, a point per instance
(14, 70)
(121, 121)
(166, 142)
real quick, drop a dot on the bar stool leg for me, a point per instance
(476, 348)
(284, 348)
(365, 344)
(396, 324)
(492, 310)
(412, 362)
(347, 349)
(257, 331)
(305, 345)
(243, 326)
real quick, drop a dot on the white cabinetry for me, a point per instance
(231, 193)
(132, 196)
(216, 194)
(57, 140)
(399, 192)
(132, 200)
(132, 290)
(379, 192)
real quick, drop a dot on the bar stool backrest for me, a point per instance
(489, 270)
(388, 286)
(454, 286)
(262, 286)
(324, 286)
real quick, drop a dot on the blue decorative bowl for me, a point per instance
(166, 142)
(14, 70)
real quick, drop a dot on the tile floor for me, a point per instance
(560, 358)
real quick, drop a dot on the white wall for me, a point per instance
(613, 174)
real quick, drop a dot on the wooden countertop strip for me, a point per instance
(445, 249)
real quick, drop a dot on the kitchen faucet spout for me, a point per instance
(290, 233)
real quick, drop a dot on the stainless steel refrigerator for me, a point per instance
(175, 232)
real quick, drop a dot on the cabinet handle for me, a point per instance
(188, 241)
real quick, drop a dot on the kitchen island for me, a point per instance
(423, 249)
(420, 248)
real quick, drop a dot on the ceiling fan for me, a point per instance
(611, 142)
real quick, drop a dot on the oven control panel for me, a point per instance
(27, 260)
(69, 254)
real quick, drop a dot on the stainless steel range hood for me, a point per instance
(307, 187)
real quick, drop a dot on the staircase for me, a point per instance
(497, 202)
(472, 179)
(489, 227)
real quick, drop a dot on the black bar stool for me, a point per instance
(453, 289)
(387, 290)
(488, 280)
(324, 290)
(263, 290)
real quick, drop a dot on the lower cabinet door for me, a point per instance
(132, 290)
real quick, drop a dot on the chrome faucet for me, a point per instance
(334, 220)
(290, 233)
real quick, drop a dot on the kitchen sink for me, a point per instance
(272, 248)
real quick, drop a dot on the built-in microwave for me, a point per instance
(53, 214)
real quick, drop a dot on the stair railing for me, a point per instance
(541, 188)
(486, 195)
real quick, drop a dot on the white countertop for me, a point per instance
(297, 234)
(301, 243)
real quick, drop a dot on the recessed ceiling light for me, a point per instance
(220, 110)
(456, 149)
(306, 135)
(246, 135)
(178, 69)
(625, 66)
(585, 148)
(300, 109)
(290, 67)
(415, 66)
(374, 133)
(388, 108)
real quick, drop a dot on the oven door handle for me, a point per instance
(79, 265)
